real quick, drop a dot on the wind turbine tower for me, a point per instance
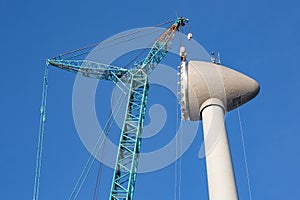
(208, 91)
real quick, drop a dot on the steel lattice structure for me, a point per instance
(137, 78)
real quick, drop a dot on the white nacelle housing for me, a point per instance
(200, 81)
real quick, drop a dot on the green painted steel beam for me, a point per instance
(90, 69)
(95, 70)
(129, 145)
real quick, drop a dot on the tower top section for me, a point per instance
(201, 81)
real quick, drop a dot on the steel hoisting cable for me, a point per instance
(142, 52)
(41, 136)
(180, 163)
(91, 159)
(96, 190)
(119, 37)
(178, 131)
(244, 151)
(176, 142)
(110, 45)
(87, 168)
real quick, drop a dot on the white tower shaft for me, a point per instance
(221, 181)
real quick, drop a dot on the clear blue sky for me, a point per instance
(258, 37)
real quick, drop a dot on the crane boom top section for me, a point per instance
(108, 72)
(160, 47)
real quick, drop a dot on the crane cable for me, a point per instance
(120, 42)
(180, 132)
(41, 136)
(96, 190)
(180, 164)
(244, 151)
(98, 179)
(87, 168)
(119, 37)
(176, 144)
(89, 163)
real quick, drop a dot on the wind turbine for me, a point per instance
(208, 92)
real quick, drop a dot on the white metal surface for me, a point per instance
(184, 92)
(208, 91)
(220, 175)
(206, 80)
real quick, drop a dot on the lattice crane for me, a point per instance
(124, 177)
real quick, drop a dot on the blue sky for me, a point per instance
(259, 38)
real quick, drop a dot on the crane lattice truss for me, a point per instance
(137, 78)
